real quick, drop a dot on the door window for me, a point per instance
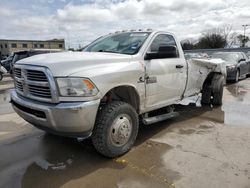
(162, 40)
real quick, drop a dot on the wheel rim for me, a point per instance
(121, 130)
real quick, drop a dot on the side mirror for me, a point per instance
(241, 60)
(163, 52)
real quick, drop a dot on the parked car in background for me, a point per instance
(196, 55)
(6, 63)
(28, 53)
(237, 63)
(248, 54)
(3, 57)
(2, 72)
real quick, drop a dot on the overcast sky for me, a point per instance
(80, 21)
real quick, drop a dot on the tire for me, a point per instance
(206, 94)
(1, 76)
(237, 76)
(217, 89)
(115, 129)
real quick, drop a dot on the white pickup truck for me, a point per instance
(103, 91)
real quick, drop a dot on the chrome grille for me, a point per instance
(19, 86)
(36, 76)
(17, 73)
(33, 82)
(40, 91)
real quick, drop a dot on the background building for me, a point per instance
(9, 46)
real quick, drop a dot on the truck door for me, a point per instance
(165, 78)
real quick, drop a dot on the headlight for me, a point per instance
(76, 87)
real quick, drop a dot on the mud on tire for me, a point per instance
(109, 128)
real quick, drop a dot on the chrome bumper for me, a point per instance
(68, 118)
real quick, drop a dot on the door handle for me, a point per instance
(179, 66)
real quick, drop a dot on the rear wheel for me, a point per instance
(217, 86)
(212, 91)
(116, 129)
(206, 94)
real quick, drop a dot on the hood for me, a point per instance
(68, 63)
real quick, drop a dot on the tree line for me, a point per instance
(222, 37)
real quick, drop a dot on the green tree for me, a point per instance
(212, 40)
(243, 40)
(187, 45)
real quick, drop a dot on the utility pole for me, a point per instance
(244, 28)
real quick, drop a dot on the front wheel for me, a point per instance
(1, 76)
(116, 129)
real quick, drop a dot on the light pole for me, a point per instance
(244, 28)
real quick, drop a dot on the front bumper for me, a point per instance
(74, 119)
(231, 74)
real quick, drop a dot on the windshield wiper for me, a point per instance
(109, 51)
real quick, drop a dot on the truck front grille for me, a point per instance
(19, 86)
(40, 91)
(36, 76)
(17, 73)
(31, 82)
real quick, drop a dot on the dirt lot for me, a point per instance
(203, 147)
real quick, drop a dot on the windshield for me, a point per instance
(230, 58)
(123, 43)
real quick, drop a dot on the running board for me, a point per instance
(155, 119)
